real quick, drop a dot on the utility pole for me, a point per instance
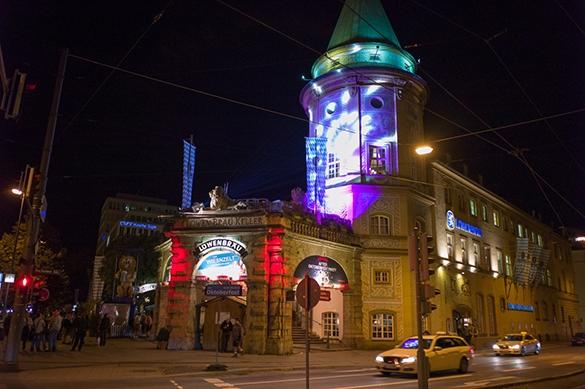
(28, 260)
(414, 249)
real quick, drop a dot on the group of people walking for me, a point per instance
(42, 332)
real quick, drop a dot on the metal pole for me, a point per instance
(27, 266)
(23, 180)
(307, 343)
(423, 379)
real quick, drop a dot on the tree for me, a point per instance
(50, 260)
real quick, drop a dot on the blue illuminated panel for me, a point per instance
(144, 226)
(520, 307)
(316, 158)
(188, 173)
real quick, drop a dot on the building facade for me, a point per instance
(125, 215)
(366, 192)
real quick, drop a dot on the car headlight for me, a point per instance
(515, 347)
(379, 359)
(408, 360)
(496, 347)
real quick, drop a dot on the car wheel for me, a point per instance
(523, 351)
(497, 354)
(463, 365)
(537, 351)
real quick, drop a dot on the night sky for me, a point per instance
(487, 64)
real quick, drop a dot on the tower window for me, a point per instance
(380, 225)
(376, 102)
(332, 166)
(377, 160)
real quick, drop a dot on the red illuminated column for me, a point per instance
(179, 306)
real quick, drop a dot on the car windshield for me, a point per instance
(411, 343)
(513, 338)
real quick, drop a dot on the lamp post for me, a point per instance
(23, 191)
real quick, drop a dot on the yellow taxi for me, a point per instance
(443, 351)
(520, 344)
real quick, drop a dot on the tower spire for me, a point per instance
(363, 21)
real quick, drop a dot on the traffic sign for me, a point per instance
(325, 295)
(43, 294)
(308, 302)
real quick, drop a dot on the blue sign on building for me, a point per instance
(520, 307)
(453, 222)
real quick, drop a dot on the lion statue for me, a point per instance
(220, 200)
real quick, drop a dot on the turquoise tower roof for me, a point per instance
(363, 36)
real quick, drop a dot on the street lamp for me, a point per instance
(16, 191)
(423, 150)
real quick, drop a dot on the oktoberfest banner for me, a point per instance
(531, 262)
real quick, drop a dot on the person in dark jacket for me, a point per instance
(237, 337)
(103, 329)
(225, 331)
(162, 339)
(27, 332)
(80, 324)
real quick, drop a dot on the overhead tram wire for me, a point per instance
(154, 21)
(515, 151)
(570, 17)
(510, 74)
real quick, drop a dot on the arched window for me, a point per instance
(491, 303)
(380, 225)
(382, 325)
(330, 321)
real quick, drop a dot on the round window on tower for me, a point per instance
(330, 108)
(376, 102)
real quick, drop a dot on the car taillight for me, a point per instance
(472, 351)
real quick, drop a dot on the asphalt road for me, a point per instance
(484, 371)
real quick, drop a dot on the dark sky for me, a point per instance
(128, 138)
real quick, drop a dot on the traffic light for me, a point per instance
(24, 282)
(427, 257)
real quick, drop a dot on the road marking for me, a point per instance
(357, 370)
(401, 382)
(300, 379)
(176, 384)
(520, 368)
(483, 382)
(563, 363)
(213, 380)
(219, 383)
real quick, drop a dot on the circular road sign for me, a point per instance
(308, 302)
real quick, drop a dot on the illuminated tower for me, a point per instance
(365, 106)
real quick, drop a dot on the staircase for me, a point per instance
(298, 336)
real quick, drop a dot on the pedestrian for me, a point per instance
(67, 328)
(162, 339)
(103, 329)
(148, 323)
(27, 332)
(466, 334)
(226, 330)
(80, 324)
(136, 327)
(142, 325)
(38, 333)
(54, 327)
(237, 336)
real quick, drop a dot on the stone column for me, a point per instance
(180, 307)
(279, 311)
(257, 307)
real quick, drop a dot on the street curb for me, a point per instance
(535, 380)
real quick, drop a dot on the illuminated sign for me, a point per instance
(453, 222)
(520, 307)
(223, 290)
(326, 271)
(9, 278)
(144, 226)
(146, 288)
(226, 243)
(1, 277)
(221, 260)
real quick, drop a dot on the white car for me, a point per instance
(519, 344)
(444, 352)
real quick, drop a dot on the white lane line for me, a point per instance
(173, 382)
(224, 385)
(563, 363)
(213, 380)
(520, 368)
(483, 382)
(299, 379)
(356, 370)
(378, 385)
